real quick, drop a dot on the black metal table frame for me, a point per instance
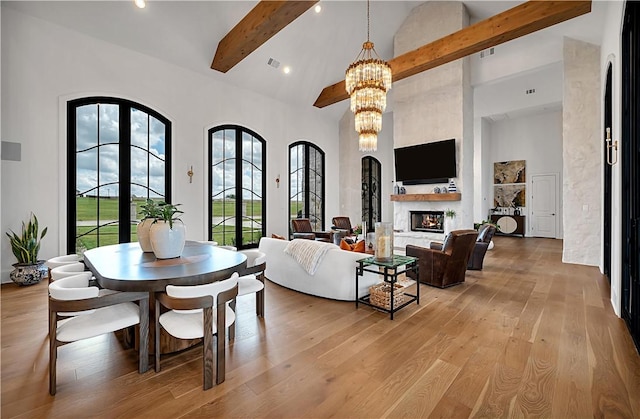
(390, 274)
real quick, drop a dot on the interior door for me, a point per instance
(544, 207)
(608, 161)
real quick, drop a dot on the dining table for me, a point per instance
(125, 267)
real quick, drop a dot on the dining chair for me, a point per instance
(227, 247)
(66, 270)
(97, 315)
(192, 316)
(251, 280)
(54, 262)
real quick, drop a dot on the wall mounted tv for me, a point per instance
(426, 163)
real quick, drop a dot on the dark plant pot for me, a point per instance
(28, 273)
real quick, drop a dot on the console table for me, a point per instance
(389, 271)
(509, 224)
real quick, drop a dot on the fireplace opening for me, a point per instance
(427, 221)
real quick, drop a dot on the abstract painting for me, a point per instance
(509, 195)
(513, 171)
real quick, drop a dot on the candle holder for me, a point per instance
(384, 242)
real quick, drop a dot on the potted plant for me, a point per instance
(25, 247)
(167, 232)
(149, 211)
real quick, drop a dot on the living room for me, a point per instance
(46, 63)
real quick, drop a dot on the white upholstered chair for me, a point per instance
(209, 242)
(63, 271)
(232, 248)
(96, 315)
(192, 316)
(61, 261)
(251, 280)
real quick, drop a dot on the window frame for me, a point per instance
(307, 146)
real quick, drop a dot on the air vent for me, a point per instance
(487, 52)
(530, 91)
(273, 63)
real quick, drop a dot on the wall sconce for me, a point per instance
(612, 156)
(190, 174)
(278, 181)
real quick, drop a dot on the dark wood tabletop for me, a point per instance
(124, 267)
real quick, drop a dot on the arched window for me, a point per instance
(371, 191)
(237, 185)
(306, 183)
(118, 156)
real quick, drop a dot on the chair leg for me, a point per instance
(232, 329)
(156, 340)
(260, 303)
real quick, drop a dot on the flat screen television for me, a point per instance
(426, 163)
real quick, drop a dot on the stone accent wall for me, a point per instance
(435, 105)
(582, 154)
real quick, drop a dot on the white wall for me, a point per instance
(610, 52)
(44, 65)
(534, 138)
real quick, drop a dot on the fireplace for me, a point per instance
(427, 221)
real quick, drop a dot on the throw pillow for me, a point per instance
(345, 246)
(359, 247)
(277, 236)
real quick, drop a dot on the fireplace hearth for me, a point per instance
(427, 221)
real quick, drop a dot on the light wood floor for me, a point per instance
(526, 337)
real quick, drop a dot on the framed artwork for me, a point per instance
(513, 171)
(509, 195)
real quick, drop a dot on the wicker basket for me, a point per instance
(380, 295)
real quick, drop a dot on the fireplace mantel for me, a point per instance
(456, 196)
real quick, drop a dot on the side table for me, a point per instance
(389, 271)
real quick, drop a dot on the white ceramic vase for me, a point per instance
(143, 230)
(167, 242)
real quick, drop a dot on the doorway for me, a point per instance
(608, 160)
(544, 206)
(630, 160)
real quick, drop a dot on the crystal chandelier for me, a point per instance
(367, 81)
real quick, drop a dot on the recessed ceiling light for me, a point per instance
(140, 3)
(286, 69)
(318, 8)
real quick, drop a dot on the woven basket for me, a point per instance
(380, 295)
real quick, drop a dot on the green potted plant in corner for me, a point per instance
(167, 234)
(149, 211)
(25, 247)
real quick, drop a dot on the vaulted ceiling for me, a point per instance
(316, 46)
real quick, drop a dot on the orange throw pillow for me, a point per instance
(345, 246)
(277, 236)
(359, 247)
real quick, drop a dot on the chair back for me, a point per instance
(342, 223)
(301, 225)
(212, 289)
(62, 260)
(226, 247)
(74, 287)
(459, 246)
(64, 271)
(254, 257)
(486, 232)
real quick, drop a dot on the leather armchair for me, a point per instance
(302, 230)
(342, 223)
(485, 234)
(446, 267)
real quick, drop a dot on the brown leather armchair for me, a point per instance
(342, 223)
(485, 234)
(446, 267)
(302, 230)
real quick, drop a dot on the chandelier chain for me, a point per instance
(368, 22)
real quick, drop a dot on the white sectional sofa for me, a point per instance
(334, 277)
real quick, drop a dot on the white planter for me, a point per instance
(143, 230)
(167, 242)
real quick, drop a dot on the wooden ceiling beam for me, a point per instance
(265, 20)
(511, 24)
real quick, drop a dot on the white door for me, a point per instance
(544, 206)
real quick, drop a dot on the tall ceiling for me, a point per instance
(317, 46)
